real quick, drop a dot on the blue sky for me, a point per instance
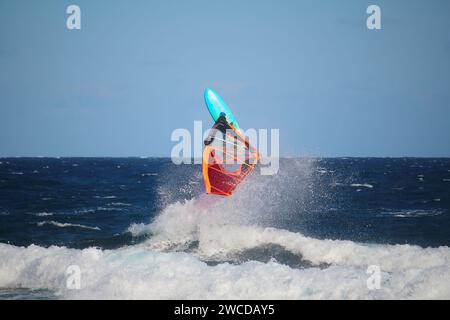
(137, 69)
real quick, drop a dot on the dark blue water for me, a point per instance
(82, 202)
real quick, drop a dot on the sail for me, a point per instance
(228, 158)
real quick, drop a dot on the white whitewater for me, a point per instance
(155, 269)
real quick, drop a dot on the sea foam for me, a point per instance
(156, 269)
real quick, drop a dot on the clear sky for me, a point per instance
(137, 69)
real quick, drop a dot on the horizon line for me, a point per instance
(168, 157)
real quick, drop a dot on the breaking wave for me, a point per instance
(168, 266)
(65, 225)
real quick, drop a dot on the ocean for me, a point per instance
(142, 228)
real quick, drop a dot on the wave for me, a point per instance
(120, 204)
(105, 197)
(407, 271)
(148, 174)
(363, 185)
(189, 222)
(158, 269)
(66, 225)
(139, 272)
(413, 213)
(41, 214)
(109, 209)
(75, 211)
